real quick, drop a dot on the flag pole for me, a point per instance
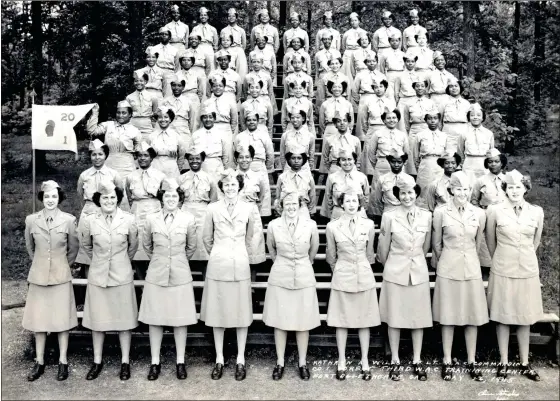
(32, 94)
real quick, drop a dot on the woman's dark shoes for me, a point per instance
(531, 373)
(278, 372)
(476, 373)
(341, 374)
(502, 371)
(155, 370)
(366, 375)
(125, 371)
(447, 372)
(240, 372)
(420, 371)
(395, 372)
(37, 372)
(94, 371)
(304, 372)
(217, 371)
(62, 372)
(181, 371)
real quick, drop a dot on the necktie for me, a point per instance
(140, 97)
(49, 221)
(97, 179)
(517, 210)
(461, 210)
(297, 180)
(410, 218)
(176, 29)
(292, 228)
(498, 183)
(151, 74)
(442, 77)
(352, 227)
(347, 178)
(145, 179)
(196, 180)
(109, 219)
(169, 219)
(230, 208)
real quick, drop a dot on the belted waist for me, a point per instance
(484, 155)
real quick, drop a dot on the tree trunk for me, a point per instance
(96, 66)
(512, 110)
(469, 10)
(282, 22)
(538, 52)
(135, 16)
(269, 8)
(309, 17)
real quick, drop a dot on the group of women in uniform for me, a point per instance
(182, 176)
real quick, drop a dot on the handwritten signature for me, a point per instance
(501, 393)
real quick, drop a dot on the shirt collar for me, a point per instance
(102, 170)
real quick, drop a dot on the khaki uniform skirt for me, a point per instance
(453, 131)
(515, 301)
(291, 310)
(366, 166)
(227, 303)
(167, 165)
(473, 166)
(460, 302)
(361, 110)
(110, 308)
(428, 172)
(353, 310)
(50, 308)
(168, 306)
(405, 306)
(144, 125)
(415, 129)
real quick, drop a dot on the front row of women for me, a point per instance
(110, 238)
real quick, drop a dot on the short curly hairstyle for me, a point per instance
(461, 88)
(526, 183)
(97, 196)
(105, 149)
(397, 191)
(180, 192)
(354, 156)
(202, 156)
(330, 85)
(336, 58)
(240, 180)
(361, 199)
(289, 155)
(302, 113)
(469, 116)
(503, 160)
(396, 111)
(61, 195)
(251, 152)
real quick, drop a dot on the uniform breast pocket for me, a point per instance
(528, 228)
(362, 237)
(203, 187)
(121, 234)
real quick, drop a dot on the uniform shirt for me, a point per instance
(375, 107)
(430, 143)
(487, 190)
(110, 247)
(336, 39)
(437, 194)
(329, 109)
(409, 33)
(334, 143)
(363, 83)
(513, 240)
(302, 182)
(241, 231)
(339, 76)
(52, 247)
(270, 32)
(358, 60)
(198, 187)
(233, 80)
(253, 187)
(415, 111)
(437, 81)
(405, 79)
(338, 181)
(297, 78)
(350, 256)
(201, 59)
(89, 180)
(238, 34)
(304, 104)
(166, 58)
(179, 32)
(350, 39)
(208, 34)
(266, 90)
(226, 111)
(181, 106)
(475, 141)
(268, 57)
(293, 138)
(169, 248)
(143, 103)
(402, 247)
(288, 68)
(168, 143)
(292, 255)
(214, 143)
(391, 60)
(120, 138)
(425, 57)
(456, 241)
(382, 197)
(455, 110)
(260, 106)
(322, 58)
(155, 76)
(233, 59)
(384, 141)
(295, 33)
(261, 142)
(194, 83)
(144, 184)
(381, 37)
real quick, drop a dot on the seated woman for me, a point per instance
(291, 302)
(353, 299)
(404, 303)
(168, 144)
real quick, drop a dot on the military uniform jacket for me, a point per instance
(52, 249)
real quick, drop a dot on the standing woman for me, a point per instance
(231, 224)
(513, 234)
(459, 298)
(336, 104)
(141, 189)
(203, 62)
(232, 90)
(257, 105)
(155, 74)
(208, 34)
(380, 42)
(437, 81)
(475, 142)
(110, 238)
(404, 303)
(239, 42)
(168, 144)
(144, 105)
(297, 103)
(265, 30)
(349, 44)
(256, 187)
(52, 243)
(121, 137)
(165, 58)
(333, 144)
(335, 75)
(404, 92)
(185, 122)
(295, 32)
(392, 63)
(437, 193)
(328, 30)
(291, 303)
(300, 137)
(353, 298)
(195, 83)
(322, 57)
(88, 184)
(412, 31)
(455, 111)
(168, 298)
(258, 74)
(179, 30)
